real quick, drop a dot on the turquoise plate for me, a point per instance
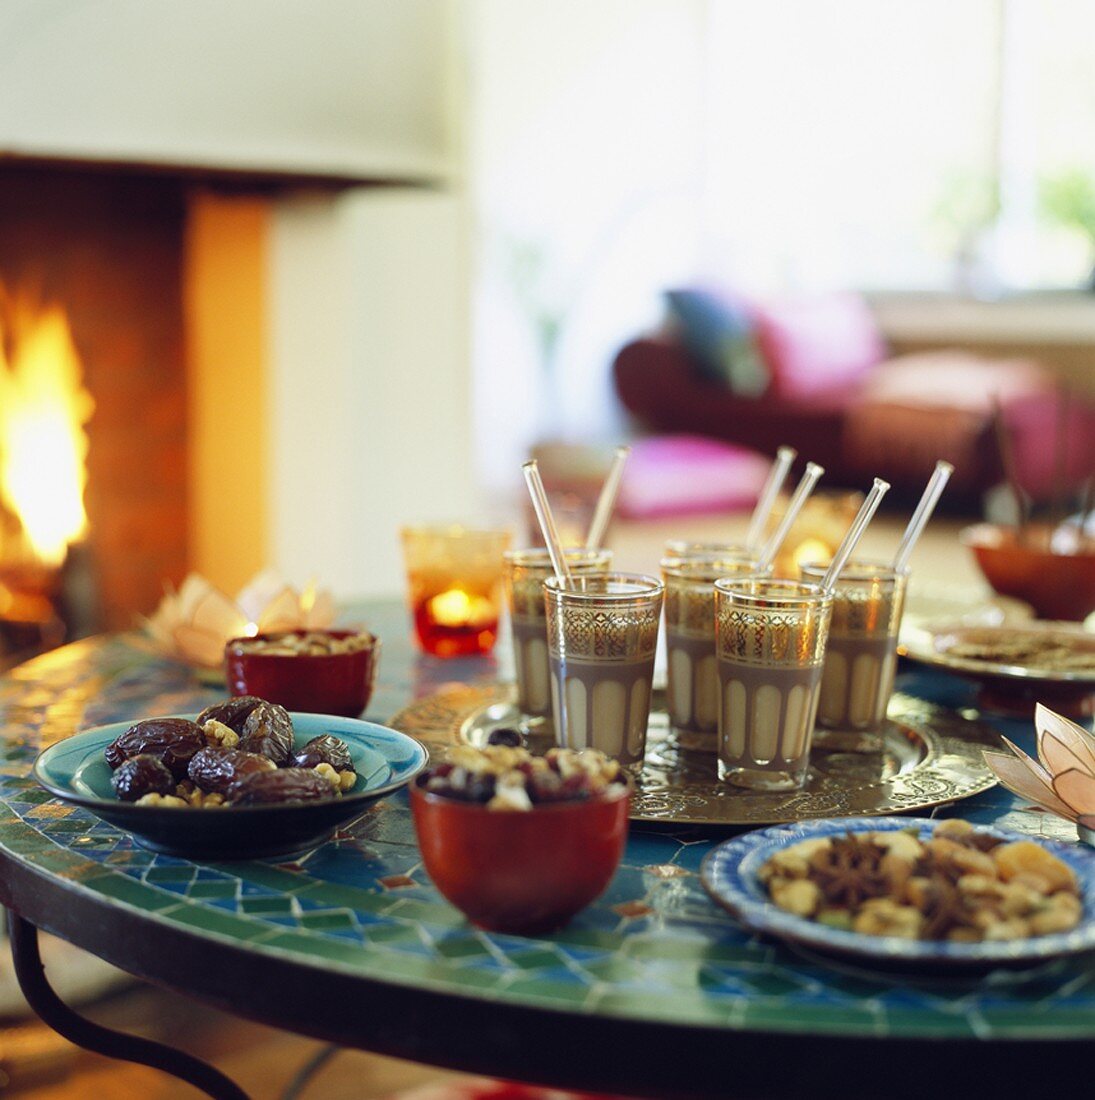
(730, 875)
(384, 759)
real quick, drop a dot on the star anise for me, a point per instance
(848, 872)
(945, 909)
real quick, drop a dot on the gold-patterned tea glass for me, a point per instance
(454, 580)
(770, 639)
(861, 654)
(602, 635)
(526, 571)
(692, 696)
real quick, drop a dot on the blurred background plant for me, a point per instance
(962, 221)
(1068, 199)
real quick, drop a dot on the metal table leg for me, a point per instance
(114, 1044)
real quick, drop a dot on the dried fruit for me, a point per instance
(217, 769)
(140, 775)
(281, 785)
(324, 749)
(1027, 857)
(232, 713)
(269, 732)
(504, 735)
(172, 740)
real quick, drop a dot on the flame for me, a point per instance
(43, 407)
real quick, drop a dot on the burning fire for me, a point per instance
(43, 407)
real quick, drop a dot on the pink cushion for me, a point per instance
(818, 344)
(676, 475)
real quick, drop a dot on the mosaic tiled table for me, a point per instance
(651, 991)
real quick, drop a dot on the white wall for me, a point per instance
(371, 406)
(354, 86)
(586, 146)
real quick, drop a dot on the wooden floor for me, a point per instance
(261, 1060)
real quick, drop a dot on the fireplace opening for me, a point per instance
(93, 402)
(44, 407)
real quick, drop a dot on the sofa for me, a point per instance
(815, 374)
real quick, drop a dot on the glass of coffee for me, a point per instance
(861, 653)
(602, 634)
(526, 571)
(770, 648)
(692, 696)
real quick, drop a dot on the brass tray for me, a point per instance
(925, 756)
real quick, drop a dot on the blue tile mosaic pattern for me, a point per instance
(653, 947)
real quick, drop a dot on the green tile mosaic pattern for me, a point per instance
(653, 947)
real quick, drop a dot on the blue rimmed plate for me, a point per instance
(730, 875)
(384, 759)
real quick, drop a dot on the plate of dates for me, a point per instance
(245, 779)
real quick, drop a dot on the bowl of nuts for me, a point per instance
(244, 779)
(518, 843)
(318, 671)
(909, 891)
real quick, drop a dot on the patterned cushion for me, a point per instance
(718, 334)
(818, 344)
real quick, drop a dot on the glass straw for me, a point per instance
(855, 532)
(776, 477)
(923, 513)
(607, 500)
(547, 522)
(805, 488)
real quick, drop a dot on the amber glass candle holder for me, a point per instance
(454, 583)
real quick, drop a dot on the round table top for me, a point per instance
(353, 943)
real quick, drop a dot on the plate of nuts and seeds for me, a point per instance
(264, 781)
(909, 890)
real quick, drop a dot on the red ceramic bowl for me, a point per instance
(330, 683)
(520, 872)
(1057, 586)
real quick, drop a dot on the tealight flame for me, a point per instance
(43, 407)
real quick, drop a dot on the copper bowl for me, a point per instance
(521, 873)
(329, 683)
(1056, 585)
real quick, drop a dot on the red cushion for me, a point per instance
(818, 344)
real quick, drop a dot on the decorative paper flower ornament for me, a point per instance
(1062, 779)
(194, 622)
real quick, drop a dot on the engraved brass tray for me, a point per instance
(924, 756)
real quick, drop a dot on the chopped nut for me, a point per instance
(1027, 857)
(900, 844)
(164, 800)
(1014, 928)
(884, 917)
(329, 774)
(346, 781)
(794, 862)
(219, 735)
(1061, 913)
(953, 828)
(799, 896)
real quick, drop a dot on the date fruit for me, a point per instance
(269, 732)
(140, 775)
(324, 749)
(172, 740)
(281, 785)
(232, 713)
(217, 769)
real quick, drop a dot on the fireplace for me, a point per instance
(98, 258)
